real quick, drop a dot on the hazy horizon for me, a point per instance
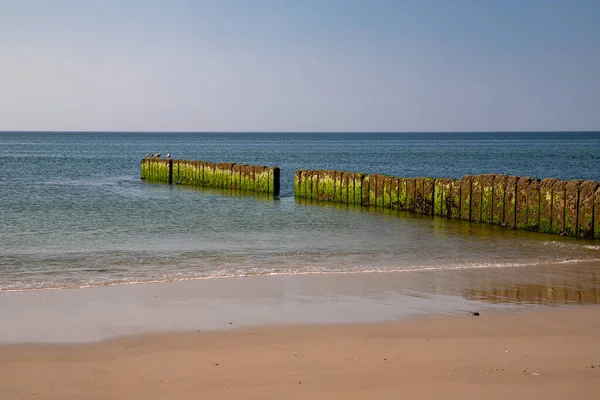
(305, 132)
(300, 66)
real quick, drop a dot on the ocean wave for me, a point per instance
(20, 286)
(570, 245)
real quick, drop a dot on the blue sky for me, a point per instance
(302, 65)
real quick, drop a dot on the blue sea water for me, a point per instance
(75, 213)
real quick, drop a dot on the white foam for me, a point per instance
(306, 270)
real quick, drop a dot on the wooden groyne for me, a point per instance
(224, 175)
(570, 208)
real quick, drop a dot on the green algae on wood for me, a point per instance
(428, 194)
(373, 189)
(394, 193)
(456, 199)
(225, 169)
(444, 186)
(175, 171)
(510, 202)
(387, 192)
(182, 172)
(533, 205)
(350, 186)
(156, 170)
(314, 181)
(441, 192)
(337, 187)
(411, 192)
(551, 206)
(383, 191)
(403, 194)
(185, 172)
(419, 202)
(546, 204)
(358, 188)
(585, 212)
(465, 197)
(236, 177)
(325, 189)
(261, 179)
(247, 177)
(597, 214)
(217, 177)
(476, 191)
(365, 184)
(189, 175)
(343, 189)
(224, 175)
(571, 207)
(521, 209)
(208, 178)
(558, 207)
(305, 184)
(527, 209)
(438, 197)
(380, 191)
(487, 198)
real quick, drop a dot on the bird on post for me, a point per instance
(169, 155)
(157, 155)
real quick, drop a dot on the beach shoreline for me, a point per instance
(324, 336)
(101, 313)
(551, 352)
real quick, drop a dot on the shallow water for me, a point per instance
(75, 213)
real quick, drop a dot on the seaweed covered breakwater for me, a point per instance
(570, 208)
(223, 175)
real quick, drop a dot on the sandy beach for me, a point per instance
(551, 353)
(347, 336)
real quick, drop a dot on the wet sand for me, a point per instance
(551, 353)
(101, 313)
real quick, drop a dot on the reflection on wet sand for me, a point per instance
(543, 285)
(555, 284)
(535, 294)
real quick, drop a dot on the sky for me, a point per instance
(300, 65)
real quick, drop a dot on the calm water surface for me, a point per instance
(74, 212)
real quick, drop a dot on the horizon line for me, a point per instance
(297, 132)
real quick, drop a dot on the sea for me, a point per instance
(74, 212)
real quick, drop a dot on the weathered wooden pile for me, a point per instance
(233, 176)
(570, 208)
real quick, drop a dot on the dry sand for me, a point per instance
(551, 353)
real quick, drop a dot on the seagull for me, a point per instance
(149, 155)
(157, 155)
(169, 155)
